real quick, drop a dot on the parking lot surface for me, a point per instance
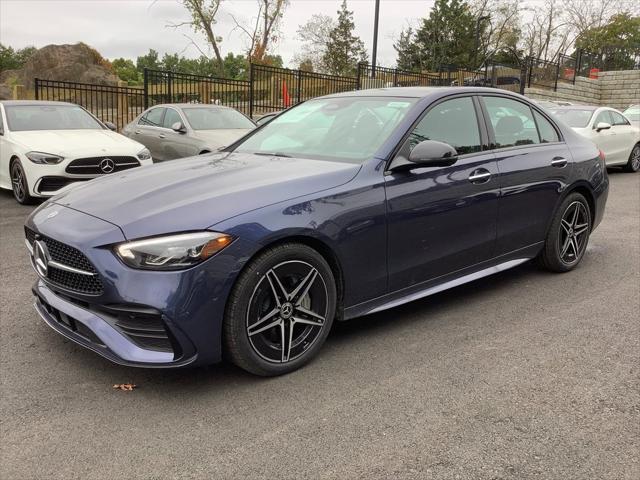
(522, 375)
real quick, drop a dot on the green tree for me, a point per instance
(150, 60)
(11, 59)
(617, 43)
(126, 71)
(405, 46)
(446, 37)
(344, 50)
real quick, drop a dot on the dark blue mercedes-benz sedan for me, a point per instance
(341, 206)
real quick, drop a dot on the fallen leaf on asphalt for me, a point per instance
(127, 387)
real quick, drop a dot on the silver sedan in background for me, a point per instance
(173, 131)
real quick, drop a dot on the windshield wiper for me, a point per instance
(273, 154)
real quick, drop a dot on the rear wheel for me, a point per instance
(568, 236)
(633, 165)
(19, 184)
(280, 310)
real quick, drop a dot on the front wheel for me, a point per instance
(633, 165)
(280, 310)
(19, 184)
(568, 236)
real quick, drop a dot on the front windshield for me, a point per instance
(574, 118)
(49, 117)
(343, 129)
(216, 118)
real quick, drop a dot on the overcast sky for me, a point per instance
(128, 28)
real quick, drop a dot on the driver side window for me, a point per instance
(453, 122)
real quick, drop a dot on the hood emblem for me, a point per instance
(41, 258)
(107, 165)
(52, 214)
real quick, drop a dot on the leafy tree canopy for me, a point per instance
(11, 59)
(344, 50)
(617, 43)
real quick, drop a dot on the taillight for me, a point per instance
(601, 155)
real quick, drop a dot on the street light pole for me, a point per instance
(375, 39)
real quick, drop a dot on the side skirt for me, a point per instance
(446, 282)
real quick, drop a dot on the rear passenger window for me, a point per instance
(512, 122)
(548, 133)
(453, 122)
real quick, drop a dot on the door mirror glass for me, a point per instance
(110, 126)
(431, 153)
(602, 126)
(178, 127)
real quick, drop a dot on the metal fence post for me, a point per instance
(395, 77)
(555, 85)
(359, 81)
(251, 81)
(299, 85)
(37, 87)
(530, 66)
(146, 89)
(523, 77)
(578, 64)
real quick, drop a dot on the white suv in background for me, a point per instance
(47, 146)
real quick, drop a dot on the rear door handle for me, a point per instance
(481, 175)
(162, 135)
(559, 162)
(137, 132)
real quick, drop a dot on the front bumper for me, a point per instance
(140, 317)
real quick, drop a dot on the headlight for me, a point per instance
(44, 158)
(173, 252)
(144, 154)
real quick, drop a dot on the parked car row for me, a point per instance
(47, 147)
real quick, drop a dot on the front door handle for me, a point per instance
(162, 135)
(137, 132)
(559, 162)
(481, 175)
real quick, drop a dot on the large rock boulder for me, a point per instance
(71, 63)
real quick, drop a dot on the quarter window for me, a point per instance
(171, 117)
(453, 122)
(512, 122)
(153, 117)
(548, 133)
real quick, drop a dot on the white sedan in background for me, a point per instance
(609, 130)
(45, 147)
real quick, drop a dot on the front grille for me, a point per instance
(144, 326)
(51, 184)
(71, 257)
(91, 165)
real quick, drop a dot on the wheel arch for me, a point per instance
(320, 246)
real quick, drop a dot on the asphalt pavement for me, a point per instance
(522, 375)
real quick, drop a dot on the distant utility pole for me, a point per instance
(375, 39)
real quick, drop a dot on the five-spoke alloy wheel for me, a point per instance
(19, 183)
(280, 311)
(568, 235)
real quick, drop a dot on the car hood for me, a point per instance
(220, 138)
(198, 192)
(77, 143)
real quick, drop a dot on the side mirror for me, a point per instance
(179, 127)
(110, 126)
(603, 126)
(431, 153)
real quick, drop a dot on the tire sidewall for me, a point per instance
(630, 166)
(235, 332)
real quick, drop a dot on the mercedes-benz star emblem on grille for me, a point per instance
(107, 165)
(41, 257)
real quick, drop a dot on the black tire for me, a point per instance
(271, 308)
(633, 165)
(568, 235)
(19, 184)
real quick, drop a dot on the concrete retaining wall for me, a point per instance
(611, 89)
